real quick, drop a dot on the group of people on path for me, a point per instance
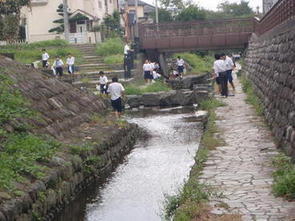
(151, 71)
(58, 64)
(222, 72)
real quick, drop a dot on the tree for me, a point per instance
(164, 15)
(241, 9)
(191, 13)
(59, 29)
(111, 25)
(178, 4)
(10, 18)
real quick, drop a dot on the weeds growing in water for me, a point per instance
(284, 177)
(155, 87)
(190, 202)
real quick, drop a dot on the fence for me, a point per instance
(282, 12)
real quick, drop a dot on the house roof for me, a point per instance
(79, 11)
(140, 3)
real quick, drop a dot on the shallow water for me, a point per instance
(155, 167)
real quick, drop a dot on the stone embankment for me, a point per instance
(241, 169)
(91, 143)
(270, 64)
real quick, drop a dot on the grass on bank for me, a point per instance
(114, 59)
(199, 64)
(112, 46)
(20, 151)
(28, 53)
(132, 89)
(284, 175)
(191, 202)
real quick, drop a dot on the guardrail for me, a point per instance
(282, 12)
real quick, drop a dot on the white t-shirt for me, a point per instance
(219, 66)
(45, 56)
(147, 67)
(180, 62)
(103, 79)
(71, 61)
(126, 49)
(229, 63)
(115, 89)
(58, 63)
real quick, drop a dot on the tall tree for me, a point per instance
(164, 15)
(241, 9)
(10, 18)
(191, 13)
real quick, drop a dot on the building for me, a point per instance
(267, 5)
(84, 15)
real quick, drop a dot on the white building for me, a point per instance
(267, 5)
(38, 19)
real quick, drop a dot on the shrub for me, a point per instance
(114, 59)
(155, 87)
(200, 65)
(284, 177)
(111, 46)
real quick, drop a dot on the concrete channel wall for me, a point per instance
(270, 65)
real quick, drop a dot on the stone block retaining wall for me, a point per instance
(270, 65)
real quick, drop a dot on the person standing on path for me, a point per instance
(219, 69)
(229, 69)
(103, 82)
(45, 58)
(116, 91)
(71, 64)
(58, 66)
(180, 66)
(147, 68)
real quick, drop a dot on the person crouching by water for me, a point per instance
(58, 66)
(219, 69)
(116, 91)
(103, 82)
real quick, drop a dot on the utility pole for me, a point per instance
(157, 13)
(66, 20)
(136, 19)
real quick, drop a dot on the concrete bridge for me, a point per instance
(212, 34)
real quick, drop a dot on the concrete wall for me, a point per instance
(270, 64)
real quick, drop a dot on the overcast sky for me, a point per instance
(212, 4)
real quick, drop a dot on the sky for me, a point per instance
(212, 4)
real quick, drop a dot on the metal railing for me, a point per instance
(282, 12)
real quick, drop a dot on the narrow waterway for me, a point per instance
(157, 166)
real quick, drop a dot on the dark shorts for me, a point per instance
(229, 75)
(117, 105)
(59, 71)
(73, 69)
(217, 80)
(44, 63)
(148, 75)
(180, 69)
(103, 89)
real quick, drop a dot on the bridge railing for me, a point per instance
(198, 33)
(281, 12)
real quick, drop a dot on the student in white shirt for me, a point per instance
(219, 69)
(147, 69)
(126, 49)
(103, 82)
(71, 64)
(116, 91)
(229, 68)
(180, 66)
(45, 58)
(58, 66)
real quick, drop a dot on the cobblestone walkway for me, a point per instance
(242, 169)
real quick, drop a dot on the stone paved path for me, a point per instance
(242, 169)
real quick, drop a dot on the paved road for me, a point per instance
(242, 169)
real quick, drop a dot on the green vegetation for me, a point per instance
(199, 64)
(190, 202)
(251, 96)
(21, 153)
(114, 59)
(284, 177)
(111, 46)
(155, 87)
(28, 53)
